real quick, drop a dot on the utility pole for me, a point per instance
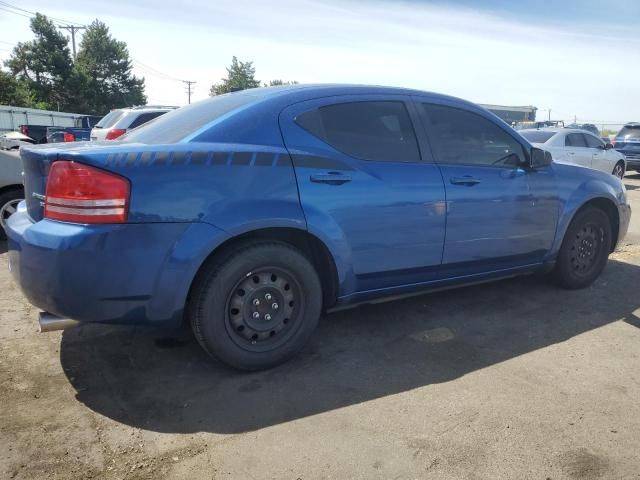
(73, 29)
(189, 83)
(549, 114)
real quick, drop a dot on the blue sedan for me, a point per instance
(249, 214)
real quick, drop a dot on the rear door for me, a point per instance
(498, 212)
(577, 150)
(368, 187)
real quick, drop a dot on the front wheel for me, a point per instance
(257, 307)
(585, 249)
(618, 170)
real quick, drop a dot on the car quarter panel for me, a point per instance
(109, 273)
(234, 187)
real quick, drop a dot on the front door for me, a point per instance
(495, 219)
(367, 188)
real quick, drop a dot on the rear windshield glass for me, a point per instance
(180, 123)
(110, 119)
(537, 136)
(630, 133)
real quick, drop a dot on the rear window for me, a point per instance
(182, 122)
(537, 136)
(144, 118)
(629, 133)
(110, 119)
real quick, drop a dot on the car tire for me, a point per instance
(256, 307)
(8, 202)
(585, 249)
(618, 170)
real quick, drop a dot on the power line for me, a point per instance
(154, 71)
(16, 13)
(6, 4)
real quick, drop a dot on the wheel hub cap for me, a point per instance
(262, 306)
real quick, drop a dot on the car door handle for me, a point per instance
(332, 178)
(468, 181)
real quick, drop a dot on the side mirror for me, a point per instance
(540, 158)
(608, 146)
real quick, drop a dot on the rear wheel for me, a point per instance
(257, 307)
(9, 201)
(618, 170)
(585, 249)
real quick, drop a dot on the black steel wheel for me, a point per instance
(262, 309)
(256, 307)
(585, 249)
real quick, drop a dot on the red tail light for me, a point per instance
(115, 133)
(69, 137)
(24, 130)
(82, 194)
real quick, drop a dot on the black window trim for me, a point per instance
(433, 142)
(368, 98)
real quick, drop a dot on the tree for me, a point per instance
(278, 82)
(240, 76)
(43, 64)
(14, 91)
(103, 73)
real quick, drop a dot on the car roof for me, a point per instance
(557, 130)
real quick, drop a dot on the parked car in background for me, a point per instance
(627, 142)
(11, 190)
(118, 122)
(48, 133)
(248, 214)
(14, 140)
(67, 134)
(589, 127)
(606, 140)
(579, 147)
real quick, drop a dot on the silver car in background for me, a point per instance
(118, 122)
(578, 147)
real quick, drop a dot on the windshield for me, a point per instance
(109, 119)
(178, 124)
(629, 133)
(537, 136)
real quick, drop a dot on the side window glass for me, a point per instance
(379, 131)
(575, 140)
(466, 138)
(144, 118)
(593, 142)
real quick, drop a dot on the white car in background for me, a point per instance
(579, 147)
(118, 122)
(14, 140)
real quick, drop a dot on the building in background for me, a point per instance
(513, 114)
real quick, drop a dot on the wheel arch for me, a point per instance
(7, 188)
(609, 207)
(310, 246)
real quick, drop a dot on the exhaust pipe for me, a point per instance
(50, 323)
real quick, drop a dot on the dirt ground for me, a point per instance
(515, 379)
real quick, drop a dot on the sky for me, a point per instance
(578, 58)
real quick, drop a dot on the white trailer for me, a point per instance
(12, 117)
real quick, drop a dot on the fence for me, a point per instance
(12, 117)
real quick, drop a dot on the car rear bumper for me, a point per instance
(129, 273)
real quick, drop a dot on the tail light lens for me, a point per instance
(82, 194)
(69, 137)
(115, 133)
(24, 130)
